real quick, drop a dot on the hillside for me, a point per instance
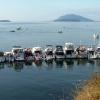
(73, 18)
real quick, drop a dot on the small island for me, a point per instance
(5, 21)
(73, 18)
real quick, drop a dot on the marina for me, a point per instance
(49, 50)
(50, 53)
(37, 58)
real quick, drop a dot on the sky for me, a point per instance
(46, 10)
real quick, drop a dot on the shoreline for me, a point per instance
(91, 91)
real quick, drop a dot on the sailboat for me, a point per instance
(60, 31)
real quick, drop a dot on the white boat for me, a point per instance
(59, 52)
(91, 53)
(19, 28)
(81, 52)
(37, 53)
(18, 53)
(60, 31)
(49, 52)
(2, 57)
(9, 57)
(98, 51)
(69, 50)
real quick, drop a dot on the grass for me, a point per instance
(91, 91)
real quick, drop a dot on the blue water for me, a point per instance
(45, 80)
(41, 34)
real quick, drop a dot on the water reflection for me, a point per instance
(82, 62)
(69, 64)
(28, 63)
(1, 66)
(50, 64)
(91, 62)
(97, 65)
(65, 64)
(59, 63)
(18, 66)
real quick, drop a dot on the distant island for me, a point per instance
(73, 18)
(5, 21)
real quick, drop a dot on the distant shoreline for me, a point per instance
(5, 21)
(47, 21)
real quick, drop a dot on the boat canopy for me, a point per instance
(69, 45)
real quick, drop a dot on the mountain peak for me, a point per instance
(73, 18)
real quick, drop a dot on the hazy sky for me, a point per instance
(45, 10)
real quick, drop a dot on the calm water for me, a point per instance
(45, 80)
(41, 34)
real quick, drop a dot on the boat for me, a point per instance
(37, 53)
(91, 53)
(81, 52)
(19, 28)
(49, 53)
(98, 51)
(59, 52)
(60, 31)
(9, 57)
(12, 31)
(28, 54)
(69, 50)
(2, 57)
(18, 53)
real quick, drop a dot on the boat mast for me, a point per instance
(95, 38)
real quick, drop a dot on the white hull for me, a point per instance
(92, 56)
(2, 59)
(82, 56)
(98, 56)
(49, 57)
(70, 56)
(9, 59)
(30, 58)
(19, 59)
(38, 58)
(59, 57)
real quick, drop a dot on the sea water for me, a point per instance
(40, 80)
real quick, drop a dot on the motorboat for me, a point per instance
(81, 52)
(59, 52)
(37, 53)
(98, 51)
(2, 57)
(28, 54)
(48, 52)
(18, 53)
(9, 57)
(19, 28)
(69, 50)
(91, 53)
(60, 31)
(12, 31)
